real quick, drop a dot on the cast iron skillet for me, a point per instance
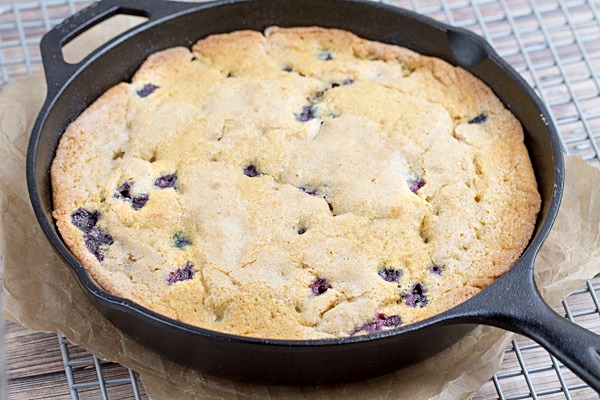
(512, 302)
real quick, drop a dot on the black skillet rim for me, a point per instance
(445, 317)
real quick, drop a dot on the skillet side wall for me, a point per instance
(267, 361)
(279, 364)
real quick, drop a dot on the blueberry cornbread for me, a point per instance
(302, 183)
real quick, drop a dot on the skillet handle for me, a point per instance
(58, 71)
(574, 346)
(515, 304)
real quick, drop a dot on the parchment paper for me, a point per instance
(41, 293)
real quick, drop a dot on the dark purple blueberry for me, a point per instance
(308, 190)
(147, 90)
(85, 220)
(139, 201)
(416, 297)
(320, 286)
(346, 82)
(325, 56)
(124, 191)
(181, 274)
(317, 191)
(308, 112)
(180, 241)
(93, 245)
(435, 269)
(391, 321)
(415, 184)
(95, 240)
(251, 171)
(103, 237)
(301, 230)
(166, 181)
(287, 68)
(390, 274)
(381, 321)
(480, 119)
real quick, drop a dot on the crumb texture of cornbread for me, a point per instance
(303, 183)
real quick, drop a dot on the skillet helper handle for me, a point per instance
(515, 304)
(57, 70)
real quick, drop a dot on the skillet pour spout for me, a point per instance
(512, 302)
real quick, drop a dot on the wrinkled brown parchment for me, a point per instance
(41, 293)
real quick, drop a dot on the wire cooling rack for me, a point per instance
(554, 44)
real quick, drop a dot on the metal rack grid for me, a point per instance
(554, 44)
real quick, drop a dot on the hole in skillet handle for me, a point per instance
(468, 49)
(83, 44)
(58, 72)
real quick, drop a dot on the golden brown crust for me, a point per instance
(338, 129)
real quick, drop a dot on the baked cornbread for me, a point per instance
(302, 183)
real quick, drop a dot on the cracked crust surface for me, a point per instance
(336, 129)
